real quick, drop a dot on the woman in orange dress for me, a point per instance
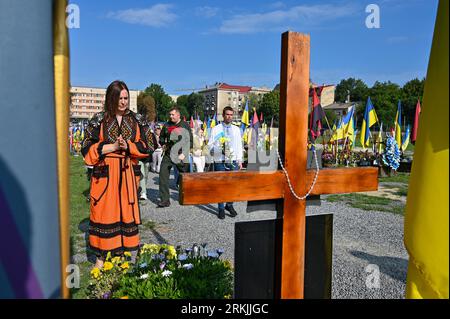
(115, 140)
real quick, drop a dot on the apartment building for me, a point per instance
(220, 95)
(86, 101)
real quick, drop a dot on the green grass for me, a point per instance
(402, 191)
(366, 202)
(79, 206)
(79, 217)
(85, 269)
(397, 178)
(149, 225)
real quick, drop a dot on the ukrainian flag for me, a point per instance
(398, 124)
(213, 122)
(34, 63)
(245, 120)
(427, 207)
(370, 118)
(405, 141)
(380, 139)
(338, 132)
(348, 124)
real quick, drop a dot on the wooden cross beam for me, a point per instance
(204, 188)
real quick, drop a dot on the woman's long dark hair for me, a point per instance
(113, 96)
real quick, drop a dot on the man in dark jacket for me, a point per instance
(176, 140)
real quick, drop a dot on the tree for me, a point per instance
(254, 101)
(331, 117)
(411, 91)
(270, 105)
(146, 106)
(195, 104)
(355, 87)
(163, 102)
(385, 96)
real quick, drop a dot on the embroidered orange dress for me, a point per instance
(114, 204)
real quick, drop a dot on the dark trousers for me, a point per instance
(220, 167)
(164, 174)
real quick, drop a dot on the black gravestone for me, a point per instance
(256, 259)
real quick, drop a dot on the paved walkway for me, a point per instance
(361, 239)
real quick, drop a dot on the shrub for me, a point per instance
(161, 272)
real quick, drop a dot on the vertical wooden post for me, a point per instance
(294, 91)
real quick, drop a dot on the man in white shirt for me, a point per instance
(226, 145)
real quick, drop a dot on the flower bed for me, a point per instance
(162, 272)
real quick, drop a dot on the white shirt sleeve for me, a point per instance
(238, 144)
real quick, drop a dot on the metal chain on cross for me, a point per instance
(289, 181)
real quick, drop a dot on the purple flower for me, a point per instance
(213, 254)
(219, 251)
(106, 295)
(182, 257)
(162, 265)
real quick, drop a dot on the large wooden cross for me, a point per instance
(213, 187)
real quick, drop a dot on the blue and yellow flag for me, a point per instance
(348, 124)
(213, 122)
(33, 219)
(370, 118)
(405, 141)
(427, 206)
(398, 124)
(245, 122)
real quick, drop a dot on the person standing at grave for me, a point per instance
(114, 142)
(157, 154)
(176, 141)
(145, 162)
(200, 150)
(225, 142)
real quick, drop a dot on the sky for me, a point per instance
(186, 45)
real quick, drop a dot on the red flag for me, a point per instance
(191, 123)
(315, 123)
(416, 123)
(255, 122)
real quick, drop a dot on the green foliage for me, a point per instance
(397, 178)
(369, 203)
(254, 101)
(385, 96)
(163, 102)
(357, 89)
(146, 106)
(105, 281)
(195, 104)
(411, 92)
(270, 105)
(332, 118)
(161, 273)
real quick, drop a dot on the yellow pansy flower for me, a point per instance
(107, 266)
(95, 272)
(125, 265)
(127, 254)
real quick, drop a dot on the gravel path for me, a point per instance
(360, 239)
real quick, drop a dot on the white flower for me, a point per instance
(166, 273)
(188, 266)
(143, 265)
(144, 276)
